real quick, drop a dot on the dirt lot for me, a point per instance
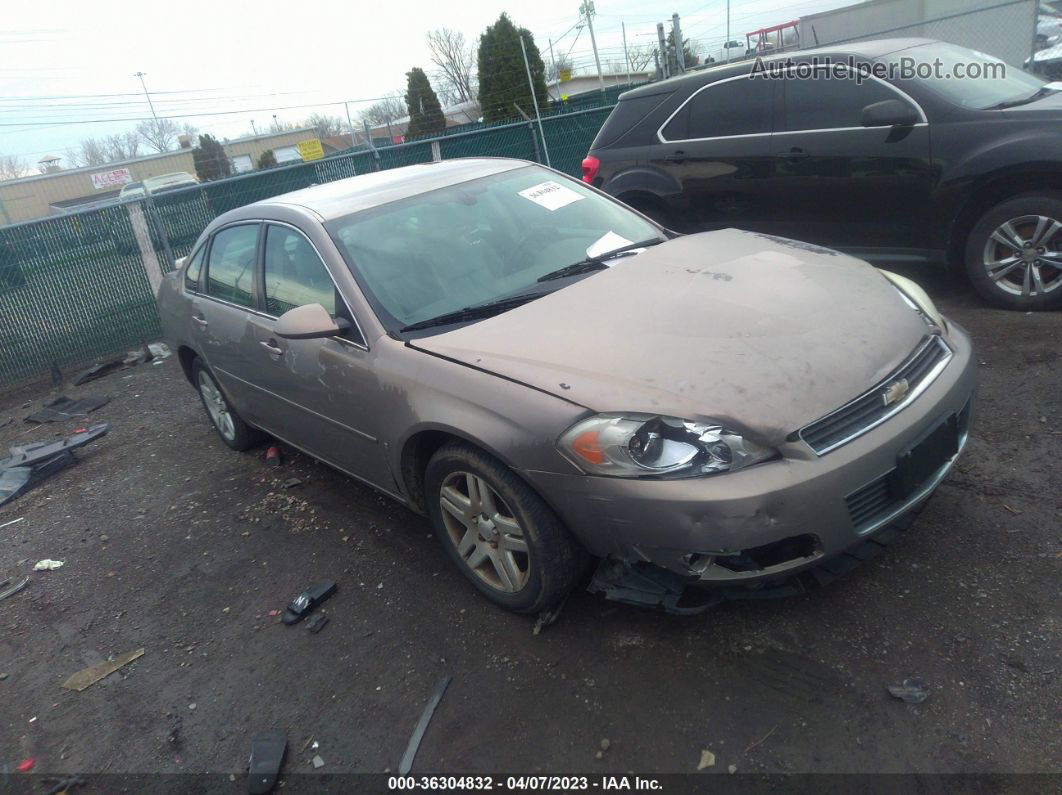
(176, 545)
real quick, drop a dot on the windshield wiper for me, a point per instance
(597, 262)
(1041, 92)
(476, 312)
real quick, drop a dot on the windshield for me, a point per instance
(479, 241)
(967, 78)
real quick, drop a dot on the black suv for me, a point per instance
(890, 150)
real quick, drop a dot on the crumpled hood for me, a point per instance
(760, 333)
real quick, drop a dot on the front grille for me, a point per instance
(870, 409)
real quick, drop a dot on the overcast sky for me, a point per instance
(262, 58)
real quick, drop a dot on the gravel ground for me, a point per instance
(176, 545)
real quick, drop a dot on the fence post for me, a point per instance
(142, 233)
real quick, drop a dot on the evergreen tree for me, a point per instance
(502, 77)
(425, 112)
(267, 159)
(688, 56)
(210, 159)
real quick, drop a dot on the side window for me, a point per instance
(733, 107)
(827, 101)
(294, 274)
(191, 273)
(230, 269)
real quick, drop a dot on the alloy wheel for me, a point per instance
(1022, 256)
(488, 537)
(217, 407)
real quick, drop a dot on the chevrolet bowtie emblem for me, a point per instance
(895, 392)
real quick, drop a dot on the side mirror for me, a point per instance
(890, 113)
(309, 322)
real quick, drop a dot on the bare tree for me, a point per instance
(91, 152)
(122, 146)
(391, 107)
(456, 61)
(12, 167)
(326, 126)
(640, 57)
(562, 65)
(159, 134)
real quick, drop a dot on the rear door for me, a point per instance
(222, 310)
(315, 393)
(842, 184)
(717, 148)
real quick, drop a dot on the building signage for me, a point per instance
(111, 179)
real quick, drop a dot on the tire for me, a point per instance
(654, 210)
(1034, 224)
(526, 580)
(233, 431)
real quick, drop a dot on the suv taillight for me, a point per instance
(590, 166)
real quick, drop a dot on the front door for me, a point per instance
(838, 183)
(316, 393)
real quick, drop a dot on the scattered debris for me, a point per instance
(273, 456)
(267, 756)
(302, 604)
(549, 616)
(707, 760)
(605, 744)
(14, 589)
(191, 707)
(26, 765)
(422, 726)
(98, 371)
(316, 623)
(274, 613)
(89, 676)
(8, 421)
(63, 408)
(763, 739)
(1012, 510)
(731, 769)
(318, 762)
(159, 351)
(291, 483)
(28, 465)
(47, 565)
(13, 521)
(62, 785)
(912, 691)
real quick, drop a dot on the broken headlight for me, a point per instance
(643, 445)
(917, 298)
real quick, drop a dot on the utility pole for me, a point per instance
(350, 125)
(147, 95)
(665, 61)
(587, 9)
(255, 129)
(680, 49)
(276, 124)
(728, 31)
(552, 60)
(534, 98)
(626, 57)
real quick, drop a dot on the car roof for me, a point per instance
(345, 196)
(865, 49)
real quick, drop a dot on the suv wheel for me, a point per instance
(1014, 253)
(233, 431)
(502, 536)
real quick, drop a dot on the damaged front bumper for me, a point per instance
(771, 529)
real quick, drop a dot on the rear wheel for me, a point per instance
(1014, 253)
(500, 533)
(233, 431)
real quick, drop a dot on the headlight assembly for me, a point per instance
(917, 298)
(644, 445)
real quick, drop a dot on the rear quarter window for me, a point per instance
(626, 116)
(195, 267)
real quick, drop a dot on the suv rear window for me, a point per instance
(626, 116)
(741, 106)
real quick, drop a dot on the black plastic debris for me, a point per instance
(63, 408)
(316, 622)
(8, 421)
(267, 756)
(304, 603)
(422, 726)
(98, 371)
(650, 586)
(28, 465)
(6, 591)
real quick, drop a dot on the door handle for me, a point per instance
(272, 348)
(794, 155)
(200, 321)
(677, 156)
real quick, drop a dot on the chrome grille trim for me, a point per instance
(869, 410)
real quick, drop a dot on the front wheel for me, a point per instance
(1014, 253)
(502, 536)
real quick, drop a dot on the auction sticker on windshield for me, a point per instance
(551, 195)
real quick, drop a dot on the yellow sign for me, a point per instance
(310, 149)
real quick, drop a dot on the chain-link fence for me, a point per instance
(82, 285)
